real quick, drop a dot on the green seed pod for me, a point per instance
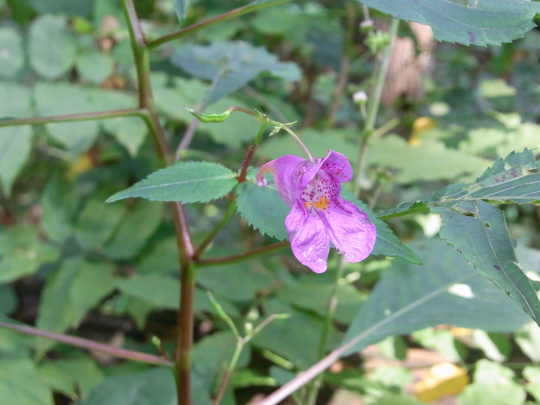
(210, 117)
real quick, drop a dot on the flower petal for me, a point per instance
(350, 230)
(309, 239)
(338, 166)
(286, 171)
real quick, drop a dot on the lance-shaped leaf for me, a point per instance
(478, 22)
(264, 209)
(445, 290)
(186, 182)
(230, 65)
(181, 7)
(478, 230)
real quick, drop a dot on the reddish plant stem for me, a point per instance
(237, 12)
(98, 115)
(243, 256)
(89, 344)
(246, 162)
(184, 340)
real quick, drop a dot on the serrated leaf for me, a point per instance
(263, 208)
(478, 22)
(52, 47)
(230, 65)
(387, 242)
(478, 230)
(59, 202)
(11, 49)
(444, 290)
(513, 179)
(186, 182)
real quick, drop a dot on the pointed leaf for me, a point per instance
(181, 7)
(478, 22)
(186, 182)
(478, 230)
(444, 290)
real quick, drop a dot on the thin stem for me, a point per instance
(263, 250)
(190, 132)
(212, 21)
(314, 388)
(98, 115)
(373, 108)
(306, 150)
(345, 64)
(89, 344)
(251, 153)
(224, 221)
(240, 343)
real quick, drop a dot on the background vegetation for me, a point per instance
(421, 322)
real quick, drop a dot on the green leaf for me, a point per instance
(238, 282)
(230, 65)
(15, 142)
(22, 252)
(263, 208)
(11, 51)
(97, 221)
(95, 66)
(9, 300)
(387, 242)
(513, 179)
(160, 291)
(493, 385)
(431, 160)
(213, 354)
(130, 132)
(139, 223)
(482, 22)
(297, 338)
(153, 387)
(68, 376)
(74, 288)
(478, 230)
(444, 290)
(52, 47)
(58, 203)
(64, 98)
(528, 340)
(181, 7)
(186, 182)
(21, 384)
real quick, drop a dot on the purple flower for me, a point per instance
(319, 215)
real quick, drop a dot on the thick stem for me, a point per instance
(183, 355)
(89, 344)
(184, 344)
(92, 116)
(212, 21)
